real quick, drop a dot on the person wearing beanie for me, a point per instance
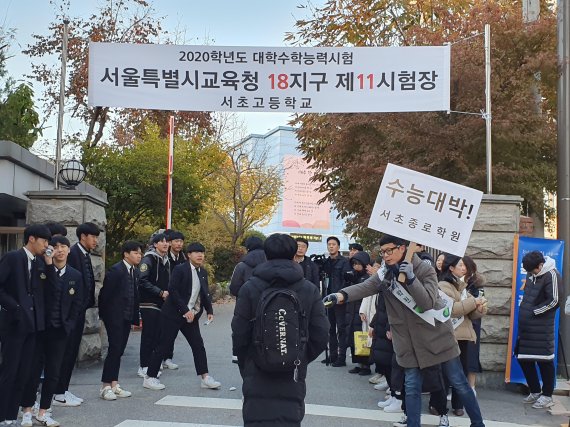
(242, 271)
(271, 398)
(188, 297)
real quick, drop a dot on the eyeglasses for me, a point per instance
(389, 251)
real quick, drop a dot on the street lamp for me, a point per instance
(72, 173)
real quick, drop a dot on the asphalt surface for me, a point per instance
(325, 386)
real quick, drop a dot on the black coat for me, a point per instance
(382, 348)
(154, 278)
(311, 271)
(76, 259)
(180, 291)
(274, 399)
(244, 269)
(536, 332)
(21, 297)
(67, 293)
(114, 297)
(335, 269)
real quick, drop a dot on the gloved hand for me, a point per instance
(408, 270)
(330, 300)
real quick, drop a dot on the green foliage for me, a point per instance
(19, 120)
(225, 260)
(134, 178)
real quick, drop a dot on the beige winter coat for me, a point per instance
(466, 308)
(416, 342)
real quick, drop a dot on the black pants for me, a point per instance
(337, 332)
(150, 333)
(50, 348)
(168, 331)
(456, 402)
(70, 356)
(17, 359)
(118, 333)
(547, 374)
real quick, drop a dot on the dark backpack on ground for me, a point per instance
(280, 331)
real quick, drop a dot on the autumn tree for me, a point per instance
(350, 151)
(247, 185)
(125, 21)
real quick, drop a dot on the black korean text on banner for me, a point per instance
(319, 80)
(425, 209)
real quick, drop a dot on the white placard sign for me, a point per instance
(425, 209)
(279, 79)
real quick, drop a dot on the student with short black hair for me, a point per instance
(24, 275)
(119, 309)
(80, 259)
(56, 229)
(153, 291)
(535, 345)
(64, 302)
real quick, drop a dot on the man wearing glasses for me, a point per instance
(417, 343)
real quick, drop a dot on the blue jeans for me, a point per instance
(453, 371)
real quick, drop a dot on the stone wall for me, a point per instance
(72, 208)
(491, 246)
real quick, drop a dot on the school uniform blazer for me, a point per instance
(180, 290)
(76, 259)
(113, 297)
(21, 297)
(70, 287)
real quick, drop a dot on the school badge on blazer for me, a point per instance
(71, 291)
(43, 276)
(143, 267)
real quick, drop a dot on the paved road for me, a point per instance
(334, 399)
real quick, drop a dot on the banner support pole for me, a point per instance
(488, 108)
(168, 221)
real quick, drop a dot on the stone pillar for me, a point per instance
(72, 208)
(491, 246)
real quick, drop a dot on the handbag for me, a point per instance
(361, 347)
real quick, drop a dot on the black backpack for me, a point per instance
(280, 331)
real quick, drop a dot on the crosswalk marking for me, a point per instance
(138, 423)
(310, 409)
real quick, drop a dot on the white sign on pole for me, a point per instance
(424, 209)
(279, 79)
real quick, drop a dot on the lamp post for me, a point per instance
(72, 173)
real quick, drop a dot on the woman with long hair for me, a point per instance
(465, 308)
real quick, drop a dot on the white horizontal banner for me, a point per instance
(279, 79)
(425, 209)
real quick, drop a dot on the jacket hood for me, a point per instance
(280, 270)
(549, 264)
(362, 257)
(254, 258)
(152, 252)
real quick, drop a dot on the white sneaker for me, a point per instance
(383, 385)
(71, 396)
(46, 420)
(142, 371)
(443, 421)
(27, 420)
(543, 402)
(169, 364)
(106, 393)
(531, 398)
(375, 379)
(60, 400)
(402, 423)
(119, 392)
(36, 409)
(395, 407)
(383, 403)
(210, 382)
(153, 384)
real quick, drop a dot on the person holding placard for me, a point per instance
(420, 339)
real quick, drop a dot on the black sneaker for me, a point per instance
(365, 372)
(355, 370)
(338, 363)
(402, 423)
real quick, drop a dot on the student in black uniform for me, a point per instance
(24, 275)
(63, 301)
(80, 259)
(153, 291)
(189, 296)
(119, 309)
